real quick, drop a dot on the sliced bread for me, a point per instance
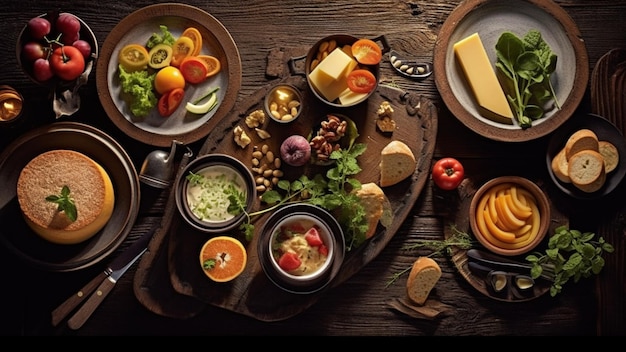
(372, 198)
(559, 166)
(610, 154)
(423, 277)
(90, 188)
(397, 162)
(586, 170)
(582, 139)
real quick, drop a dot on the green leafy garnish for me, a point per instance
(332, 192)
(527, 65)
(139, 85)
(570, 254)
(208, 264)
(65, 203)
(458, 239)
(164, 38)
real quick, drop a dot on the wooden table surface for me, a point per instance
(360, 305)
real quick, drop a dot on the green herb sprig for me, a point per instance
(65, 203)
(459, 239)
(572, 254)
(527, 64)
(332, 192)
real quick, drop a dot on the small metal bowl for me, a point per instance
(491, 240)
(305, 216)
(85, 34)
(283, 103)
(218, 171)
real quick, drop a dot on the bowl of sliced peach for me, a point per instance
(509, 215)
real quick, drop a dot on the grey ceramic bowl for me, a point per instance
(202, 200)
(314, 274)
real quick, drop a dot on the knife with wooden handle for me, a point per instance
(101, 285)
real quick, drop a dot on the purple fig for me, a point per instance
(295, 150)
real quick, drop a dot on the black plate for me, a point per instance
(605, 130)
(25, 243)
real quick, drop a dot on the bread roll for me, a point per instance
(610, 154)
(586, 170)
(422, 279)
(560, 165)
(583, 139)
(397, 162)
(90, 188)
(372, 198)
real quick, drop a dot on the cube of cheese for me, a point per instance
(329, 89)
(482, 79)
(336, 64)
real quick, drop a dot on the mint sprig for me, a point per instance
(65, 203)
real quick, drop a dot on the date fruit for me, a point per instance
(295, 150)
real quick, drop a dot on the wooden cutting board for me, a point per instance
(252, 294)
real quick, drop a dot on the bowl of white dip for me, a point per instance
(301, 248)
(206, 189)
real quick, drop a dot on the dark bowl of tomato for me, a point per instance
(56, 48)
(343, 70)
(301, 248)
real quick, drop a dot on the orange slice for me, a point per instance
(223, 258)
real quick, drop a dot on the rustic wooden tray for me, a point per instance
(252, 294)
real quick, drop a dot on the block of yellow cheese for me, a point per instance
(348, 97)
(482, 79)
(336, 64)
(329, 77)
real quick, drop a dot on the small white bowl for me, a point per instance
(301, 280)
(214, 164)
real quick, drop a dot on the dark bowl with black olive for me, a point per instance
(214, 192)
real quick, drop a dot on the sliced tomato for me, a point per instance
(313, 238)
(361, 81)
(367, 52)
(213, 64)
(196, 37)
(194, 69)
(323, 250)
(160, 56)
(289, 261)
(182, 48)
(170, 101)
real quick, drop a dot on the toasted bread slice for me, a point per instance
(610, 154)
(559, 167)
(586, 170)
(373, 199)
(583, 139)
(90, 188)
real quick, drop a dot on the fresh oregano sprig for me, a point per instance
(459, 239)
(65, 203)
(332, 191)
(573, 255)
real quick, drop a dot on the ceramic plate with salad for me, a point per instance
(168, 71)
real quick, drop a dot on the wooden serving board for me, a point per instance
(251, 293)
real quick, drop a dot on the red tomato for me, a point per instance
(323, 250)
(289, 261)
(448, 173)
(361, 81)
(67, 62)
(313, 238)
(169, 102)
(367, 52)
(194, 70)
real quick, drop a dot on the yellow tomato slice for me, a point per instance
(213, 64)
(182, 48)
(133, 57)
(160, 56)
(196, 37)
